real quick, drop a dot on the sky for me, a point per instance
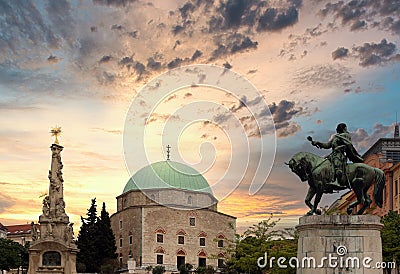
(234, 86)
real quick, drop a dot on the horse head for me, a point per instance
(298, 166)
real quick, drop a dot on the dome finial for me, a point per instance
(168, 151)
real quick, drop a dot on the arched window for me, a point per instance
(51, 258)
(190, 200)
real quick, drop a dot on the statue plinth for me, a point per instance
(339, 244)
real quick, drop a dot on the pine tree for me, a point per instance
(88, 239)
(106, 245)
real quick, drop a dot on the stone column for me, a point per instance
(339, 244)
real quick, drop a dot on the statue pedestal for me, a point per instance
(339, 244)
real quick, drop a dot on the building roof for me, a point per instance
(389, 147)
(19, 229)
(2, 227)
(167, 175)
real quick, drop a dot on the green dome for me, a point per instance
(168, 174)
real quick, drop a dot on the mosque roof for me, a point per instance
(166, 175)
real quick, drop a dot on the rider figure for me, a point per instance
(342, 148)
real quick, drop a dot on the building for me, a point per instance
(20, 233)
(395, 170)
(171, 220)
(3, 231)
(385, 155)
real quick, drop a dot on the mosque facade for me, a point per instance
(167, 215)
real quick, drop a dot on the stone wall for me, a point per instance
(208, 224)
(143, 222)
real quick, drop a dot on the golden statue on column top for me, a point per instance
(56, 131)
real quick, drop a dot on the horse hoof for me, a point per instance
(309, 213)
(318, 212)
(349, 211)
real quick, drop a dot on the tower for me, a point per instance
(53, 249)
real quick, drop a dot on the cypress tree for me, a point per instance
(106, 245)
(88, 239)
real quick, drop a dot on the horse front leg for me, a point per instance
(316, 202)
(310, 194)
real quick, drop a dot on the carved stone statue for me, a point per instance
(50, 226)
(69, 234)
(46, 206)
(60, 207)
(34, 231)
(325, 175)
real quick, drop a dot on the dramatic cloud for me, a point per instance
(286, 129)
(375, 54)
(358, 13)
(370, 53)
(283, 111)
(340, 53)
(115, 3)
(363, 140)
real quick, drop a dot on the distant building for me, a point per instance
(396, 187)
(3, 231)
(20, 233)
(174, 222)
(385, 155)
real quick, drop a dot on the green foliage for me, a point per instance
(185, 268)
(96, 241)
(391, 237)
(205, 270)
(148, 269)
(257, 240)
(12, 255)
(158, 269)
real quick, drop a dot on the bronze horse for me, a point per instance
(319, 173)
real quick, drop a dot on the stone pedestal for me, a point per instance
(339, 244)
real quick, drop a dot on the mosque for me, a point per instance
(167, 215)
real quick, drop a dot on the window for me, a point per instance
(202, 262)
(130, 239)
(152, 197)
(396, 187)
(220, 263)
(192, 221)
(181, 240)
(120, 224)
(120, 242)
(160, 259)
(202, 241)
(120, 259)
(189, 201)
(220, 243)
(160, 238)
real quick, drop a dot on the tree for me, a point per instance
(391, 237)
(107, 247)
(253, 244)
(88, 239)
(12, 254)
(185, 268)
(96, 241)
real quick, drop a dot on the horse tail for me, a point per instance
(379, 185)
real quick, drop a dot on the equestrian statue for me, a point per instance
(333, 173)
